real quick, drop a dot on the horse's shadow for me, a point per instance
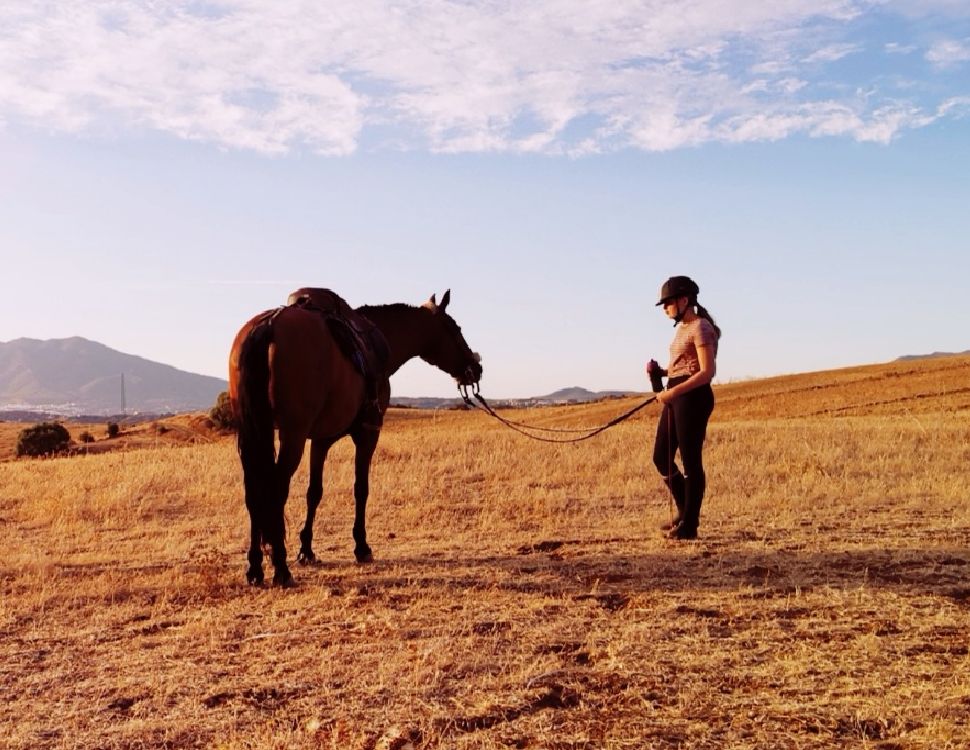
(582, 569)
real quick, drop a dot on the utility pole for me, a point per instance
(123, 405)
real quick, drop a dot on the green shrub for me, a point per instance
(43, 439)
(113, 430)
(221, 413)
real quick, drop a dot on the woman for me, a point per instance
(687, 401)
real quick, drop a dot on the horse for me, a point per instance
(289, 370)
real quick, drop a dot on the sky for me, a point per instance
(169, 169)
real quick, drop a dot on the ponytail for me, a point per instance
(702, 311)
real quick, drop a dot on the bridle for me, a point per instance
(524, 429)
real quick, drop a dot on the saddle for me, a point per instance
(358, 339)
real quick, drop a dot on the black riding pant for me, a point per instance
(683, 427)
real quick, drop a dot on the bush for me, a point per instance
(86, 437)
(221, 414)
(43, 439)
(113, 430)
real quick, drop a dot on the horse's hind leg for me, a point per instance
(290, 453)
(365, 439)
(256, 489)
(314, 493)
(255, 572)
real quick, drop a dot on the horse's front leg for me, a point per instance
(365, 440)
(314, 493)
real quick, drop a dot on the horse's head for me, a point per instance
(447, 348)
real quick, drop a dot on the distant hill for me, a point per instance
(573, 395)
(910, 357)
(77, 376)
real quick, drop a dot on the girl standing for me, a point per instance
(688, 401)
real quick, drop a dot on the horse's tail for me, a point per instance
(257, 449)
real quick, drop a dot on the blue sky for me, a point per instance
(168, 170)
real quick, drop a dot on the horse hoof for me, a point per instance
(365, 557)
(307, 558)
(254, 577)
(284, 582)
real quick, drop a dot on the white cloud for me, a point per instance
(949, 52)
(895, 48)
(831, 53)
(922, 8)
(552, 76)
(783, 85)
(958, 106)
(86, 65)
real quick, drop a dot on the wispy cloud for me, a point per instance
(948, 53)
(895, 48)
(552, 76)
(831, 53)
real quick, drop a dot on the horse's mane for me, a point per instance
(392, 307)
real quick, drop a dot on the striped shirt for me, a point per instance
(683, 350)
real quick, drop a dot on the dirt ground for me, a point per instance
(522, 596)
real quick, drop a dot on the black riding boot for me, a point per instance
(694, 496)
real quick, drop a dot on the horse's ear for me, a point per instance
(431, 304)
(444, 301)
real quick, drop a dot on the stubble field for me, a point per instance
(521, 596)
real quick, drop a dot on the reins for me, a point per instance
(523, 429)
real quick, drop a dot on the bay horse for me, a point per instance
(288, 370)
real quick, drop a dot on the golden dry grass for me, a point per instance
(521, 597)
(177, 430)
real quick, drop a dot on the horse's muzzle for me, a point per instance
(472, 372)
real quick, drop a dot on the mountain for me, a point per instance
(933, 355)
(573, 395)
(578, 395)
(76, 376)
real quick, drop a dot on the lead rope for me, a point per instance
(523, 429)
(671, 501)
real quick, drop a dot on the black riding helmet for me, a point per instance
(678, 286)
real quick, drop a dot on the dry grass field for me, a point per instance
(521, 596)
